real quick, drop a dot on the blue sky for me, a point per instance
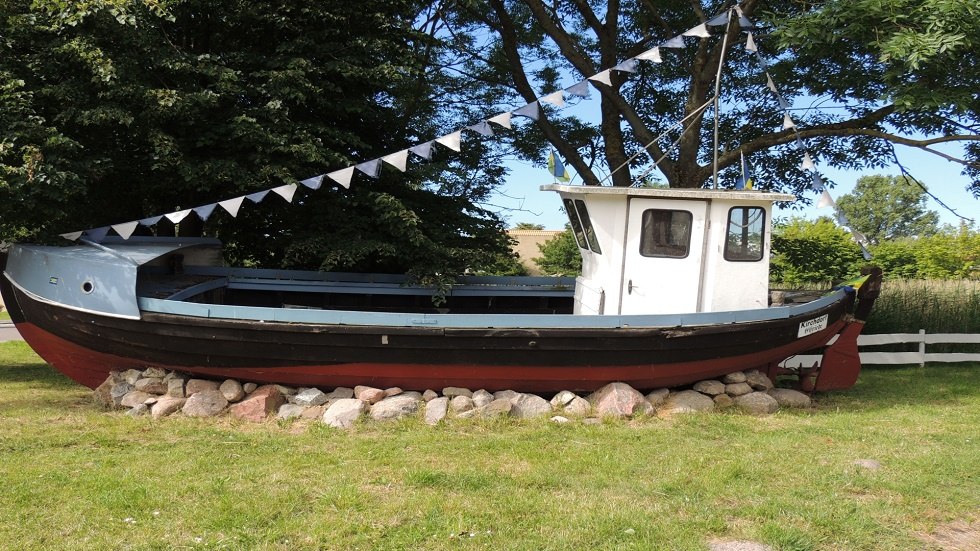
(519, 199)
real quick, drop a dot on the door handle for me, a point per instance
(629, 287)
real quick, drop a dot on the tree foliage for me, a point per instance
(888, 207)
(560, 255)
(806, 251)
(116, 110)
(868, 73)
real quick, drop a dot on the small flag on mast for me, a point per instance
(557, 168)
(745, 180)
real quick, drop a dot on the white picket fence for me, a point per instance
(919, 357)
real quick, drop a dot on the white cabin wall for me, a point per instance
(734, 285)
(601, 273)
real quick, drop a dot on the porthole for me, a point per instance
(88, 287)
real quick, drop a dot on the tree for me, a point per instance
(116, 110)
(893, 72)
(819, 251)
(560, 255)
(888, 207)
(528, 226)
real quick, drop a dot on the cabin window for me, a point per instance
(746, 234)
(666, 233)
(582, 228)
(583, 214)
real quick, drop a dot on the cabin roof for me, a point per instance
(702, 194)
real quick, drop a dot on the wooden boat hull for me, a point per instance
(86, 346)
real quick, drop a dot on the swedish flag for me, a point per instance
(556, 168)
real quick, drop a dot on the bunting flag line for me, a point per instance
(453, 141)
(96, 234)
(807, 162)
(826, 201)
(556, 167)
(231, 206)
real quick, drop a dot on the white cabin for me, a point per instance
(670, 251)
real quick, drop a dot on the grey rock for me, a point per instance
(658, 397)
(496, 408)
(562, 399)
(139, 410)
(194, 386)
(286, 390)
(131, 376)
(154, 373)
(453, 391)
(153, 385)
(686, 401)
(393, 391)
(103, 393)
(578, 407)
(710, 387)
(481, 398)
(737, 389)
(789, 398)
(758, 380)
(206, 403)
(528, 406)
(370, 394)
(737, 377)
(343, 413)
(395, 407)
(411, 394)
(460, 404)
(435, 410)
(310, 397)
(166, 405)
(340, 393)
(118, 391)
(249, 387)
(504, 394)
(723, 401)
(232, 390)
(757, 403)
(558, 419)
(619, 400)
(289, 411)
(429, 395)
(175, 387)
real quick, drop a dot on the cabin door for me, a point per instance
(663, 255)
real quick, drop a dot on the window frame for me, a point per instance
(727, 252)
(644, 233)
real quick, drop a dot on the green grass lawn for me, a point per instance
(4, 315)
(76, 477)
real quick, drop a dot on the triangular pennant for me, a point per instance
(788, 122)
(771, 84)
(530, 111)
(842, 218)
(750, 44)
(151, 220)
(127, 229)
(826, 201)
(286, 192)
(258, 196)
(701, 31)
(807, 162)
(579, 89)
(204, 211)
(676, 42)
(423, 150)
(72, 236)
(482, 128)
(743, 21)
(177, 216)
(817, 183)
(96, 234)
(602, 77)
(555, 98)
(452, 141)
(628, 66)
(864, 251)
(344, 175)
(398, 160)
(502, 119)
(232, 205)
(859, 236)
(718, 20)
(314, 182)
(782, 103)
(653, 54)
(372, 168)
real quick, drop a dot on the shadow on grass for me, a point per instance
(19, 364)
(882, 387)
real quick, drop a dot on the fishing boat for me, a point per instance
(674, 289)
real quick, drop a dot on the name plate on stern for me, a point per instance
(810, 327)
